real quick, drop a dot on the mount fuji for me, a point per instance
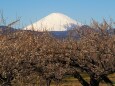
(54, 22)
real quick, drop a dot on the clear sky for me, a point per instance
(81, 10)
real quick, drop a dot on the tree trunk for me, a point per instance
(81, 80)
(94, 82)
(107, 80)
(48, 82)
(6, 84)
(57, 82)
(44, 82)
(6, 81)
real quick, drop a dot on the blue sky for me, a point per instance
(81, 10)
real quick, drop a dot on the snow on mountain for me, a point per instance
(54, 22)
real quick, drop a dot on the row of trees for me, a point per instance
(24, 53)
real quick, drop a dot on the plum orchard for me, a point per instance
(23, 53)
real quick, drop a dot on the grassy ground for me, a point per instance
(68, 81)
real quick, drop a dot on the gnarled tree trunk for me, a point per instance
(81, 80)
(94, 81)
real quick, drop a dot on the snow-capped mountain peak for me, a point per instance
(54, 22)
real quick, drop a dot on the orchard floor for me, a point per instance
(68, 81)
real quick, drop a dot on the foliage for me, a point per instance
(27, 53)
